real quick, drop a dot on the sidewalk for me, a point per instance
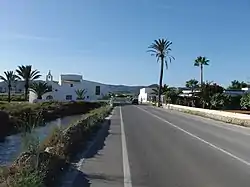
(103, 167)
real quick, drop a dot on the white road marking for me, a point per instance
(198, 138)
(220, 124)
(126, 168)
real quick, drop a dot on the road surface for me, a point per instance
(154, 147)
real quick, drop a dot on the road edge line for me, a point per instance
(125, 161)
(198, 138)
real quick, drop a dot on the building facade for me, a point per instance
(146, 95)
(65, 89)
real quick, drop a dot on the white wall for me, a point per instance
(145, 94)
(59, 92)
(208, 112)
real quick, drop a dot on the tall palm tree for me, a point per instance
(192, 84)
(161, 50)
(40, 88)
(200, 62)
(27, 74)
(9, 78)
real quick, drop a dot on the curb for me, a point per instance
(72, 172)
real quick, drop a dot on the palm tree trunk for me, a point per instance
(201, 74)
(160, 82)
(9, 87)
(26, 91)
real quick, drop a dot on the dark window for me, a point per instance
(68, 97)
(97, 90)
(87, 97)
(71, 85)
(56, 90)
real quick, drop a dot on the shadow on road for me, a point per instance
(77, 178)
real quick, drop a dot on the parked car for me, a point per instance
(135, 102)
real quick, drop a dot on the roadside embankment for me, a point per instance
(228, 117)
(14, 117)
(42, 165)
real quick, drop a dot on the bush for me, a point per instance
(245, 101)
(19, 97)
(62, 141)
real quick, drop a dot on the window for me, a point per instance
(71, 85)
(68, 97)
(97, 90)
(87, 97)
(49, 97)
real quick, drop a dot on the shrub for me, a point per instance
(245, 101)
(19, 113)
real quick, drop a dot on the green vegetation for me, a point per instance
(161, 50)
(27, 74)
(211, 96)
(237, 85)
(164, 89)
(13, 97)
(40, 88)
(10, 78)
(245, 101)
(80, 94)
(42, 163)
(14, 116)
(205, 95)
(201, 62)
(192, 84)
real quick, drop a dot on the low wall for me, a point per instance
(229, 117)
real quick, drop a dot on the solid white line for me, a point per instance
(126, 168)
(198, 138)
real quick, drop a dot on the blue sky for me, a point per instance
(107, 40)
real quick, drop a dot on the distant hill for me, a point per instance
(153, 86)
(128, 89)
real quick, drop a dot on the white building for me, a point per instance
(65, 89)
(146, 95)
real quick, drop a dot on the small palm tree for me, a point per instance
(80, 94)
(9, 79)
(40, 88)
(192, 84)
(200, 62)
(164, 89)
(27, 74)
(161, 50)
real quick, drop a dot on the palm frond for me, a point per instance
(40, 88)
(160, 49)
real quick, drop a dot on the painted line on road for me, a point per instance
(126, 168)
(198, 138)
(220, 124)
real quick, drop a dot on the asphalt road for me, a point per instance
(150, 147)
